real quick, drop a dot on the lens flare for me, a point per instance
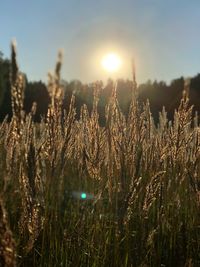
(83, 196)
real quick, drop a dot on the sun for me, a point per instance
(111, 62)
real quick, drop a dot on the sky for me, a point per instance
(162, 36)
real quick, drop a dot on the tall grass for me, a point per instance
(143, 180)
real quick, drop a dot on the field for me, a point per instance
(74, 193)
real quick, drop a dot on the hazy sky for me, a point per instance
(162, 35)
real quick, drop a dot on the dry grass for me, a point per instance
(145, 182)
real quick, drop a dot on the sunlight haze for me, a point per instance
(161, 36)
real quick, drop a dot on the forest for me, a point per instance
(159, 94)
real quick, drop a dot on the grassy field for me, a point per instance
(73, 193)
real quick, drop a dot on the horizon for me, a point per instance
(160, 36)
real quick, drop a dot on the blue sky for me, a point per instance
(161, 35)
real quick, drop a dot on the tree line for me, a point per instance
(159, 94)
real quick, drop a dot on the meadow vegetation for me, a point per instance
(144, 180)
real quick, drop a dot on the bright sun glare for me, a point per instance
(111, 62)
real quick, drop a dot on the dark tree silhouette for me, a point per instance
(5, 88)
(36, 92)
(159, 94)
